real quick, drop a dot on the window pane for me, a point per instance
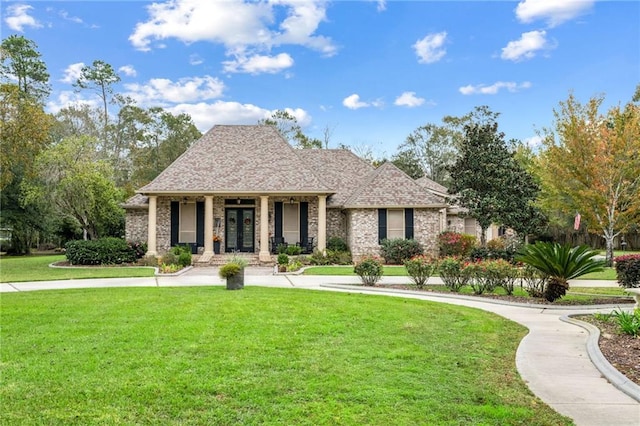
(290, 225)
(395, 224)
(187, 223)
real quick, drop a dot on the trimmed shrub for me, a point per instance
(283, 259)
(534, 281)
(337, 244)
(453, 273)
(420, 269)
(396, 251)
(229, 270)
(628, 270)
(455, 244)
(485, 253)
(369, 269)
(332, 257)
(293, 250)
(104, 251)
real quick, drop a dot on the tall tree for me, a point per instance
(287, 125)
(408, 162)
(488, 181)
(22, 62)
(76, 184)
(99, 77)
(590, 165)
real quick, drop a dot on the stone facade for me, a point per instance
(362, 237)
(137, 228)
(336, 224)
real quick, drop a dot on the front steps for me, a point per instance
(220, 259)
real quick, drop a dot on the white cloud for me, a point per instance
(526, 47)
(245, 28)
(65, 15)
(430, 49)
(482, 89)
(72, 73)
(409, 99)
(382, 5)
(533, 141)
(206, 115)
(195, 59)
(128, 70)
(18, 17)
(554, 12)
(354, 102)
(67, 98)
(259, 64)
(162, 91)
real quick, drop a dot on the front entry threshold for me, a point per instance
(206, 257)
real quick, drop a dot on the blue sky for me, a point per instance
(371, 71)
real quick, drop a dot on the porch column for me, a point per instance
(322, 223)
(151, 231)
(264, 255)
(208, 225)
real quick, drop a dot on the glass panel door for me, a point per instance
(231, 229)
(247, 230)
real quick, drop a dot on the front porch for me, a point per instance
(216, 225)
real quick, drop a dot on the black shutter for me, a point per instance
(382, 225)
(408, 224)
(199, 224)
(304, 222)
(277, 220)
(175, 222)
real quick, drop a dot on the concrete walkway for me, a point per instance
(553, 359)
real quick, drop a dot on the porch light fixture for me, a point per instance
(238, 200)
(291, 200)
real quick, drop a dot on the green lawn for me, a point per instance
(36, 268)
(607, 274)
(204, 355)
(391, 271)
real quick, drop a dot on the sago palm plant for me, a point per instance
(560, 263)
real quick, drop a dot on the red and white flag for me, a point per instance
(576, 222)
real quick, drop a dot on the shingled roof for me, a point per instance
(389, 186)
(340, 169)
(433, 186)
(238, 159)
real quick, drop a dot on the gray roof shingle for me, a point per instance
(390, 186)
(340, 169)
(238, 159)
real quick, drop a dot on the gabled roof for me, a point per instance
(238, 159)
(432, 186)
(339, 169)
(388, 186)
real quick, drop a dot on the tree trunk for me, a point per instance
(483, 237)
(608, 238)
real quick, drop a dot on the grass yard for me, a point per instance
(258, 356)
(392, 271)
(36, 268)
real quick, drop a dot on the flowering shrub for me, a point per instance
(420, 269)
(454, 273)
(369, 269)
(395, 251)
(455, 244)
(628, 270)
(534, 281)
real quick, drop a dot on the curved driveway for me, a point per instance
(552, 359)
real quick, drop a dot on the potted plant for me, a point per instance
(233, 272)
(216, 243)
(283, 261)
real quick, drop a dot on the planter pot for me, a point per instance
(216, 247)
(236, 282)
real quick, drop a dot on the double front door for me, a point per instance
(239, 230)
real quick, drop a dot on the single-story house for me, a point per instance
(246, 187)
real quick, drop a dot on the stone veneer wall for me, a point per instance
(336, 224)
(363, 231)
(136, 225)
(163, 224)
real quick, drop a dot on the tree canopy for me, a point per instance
(590, 165)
